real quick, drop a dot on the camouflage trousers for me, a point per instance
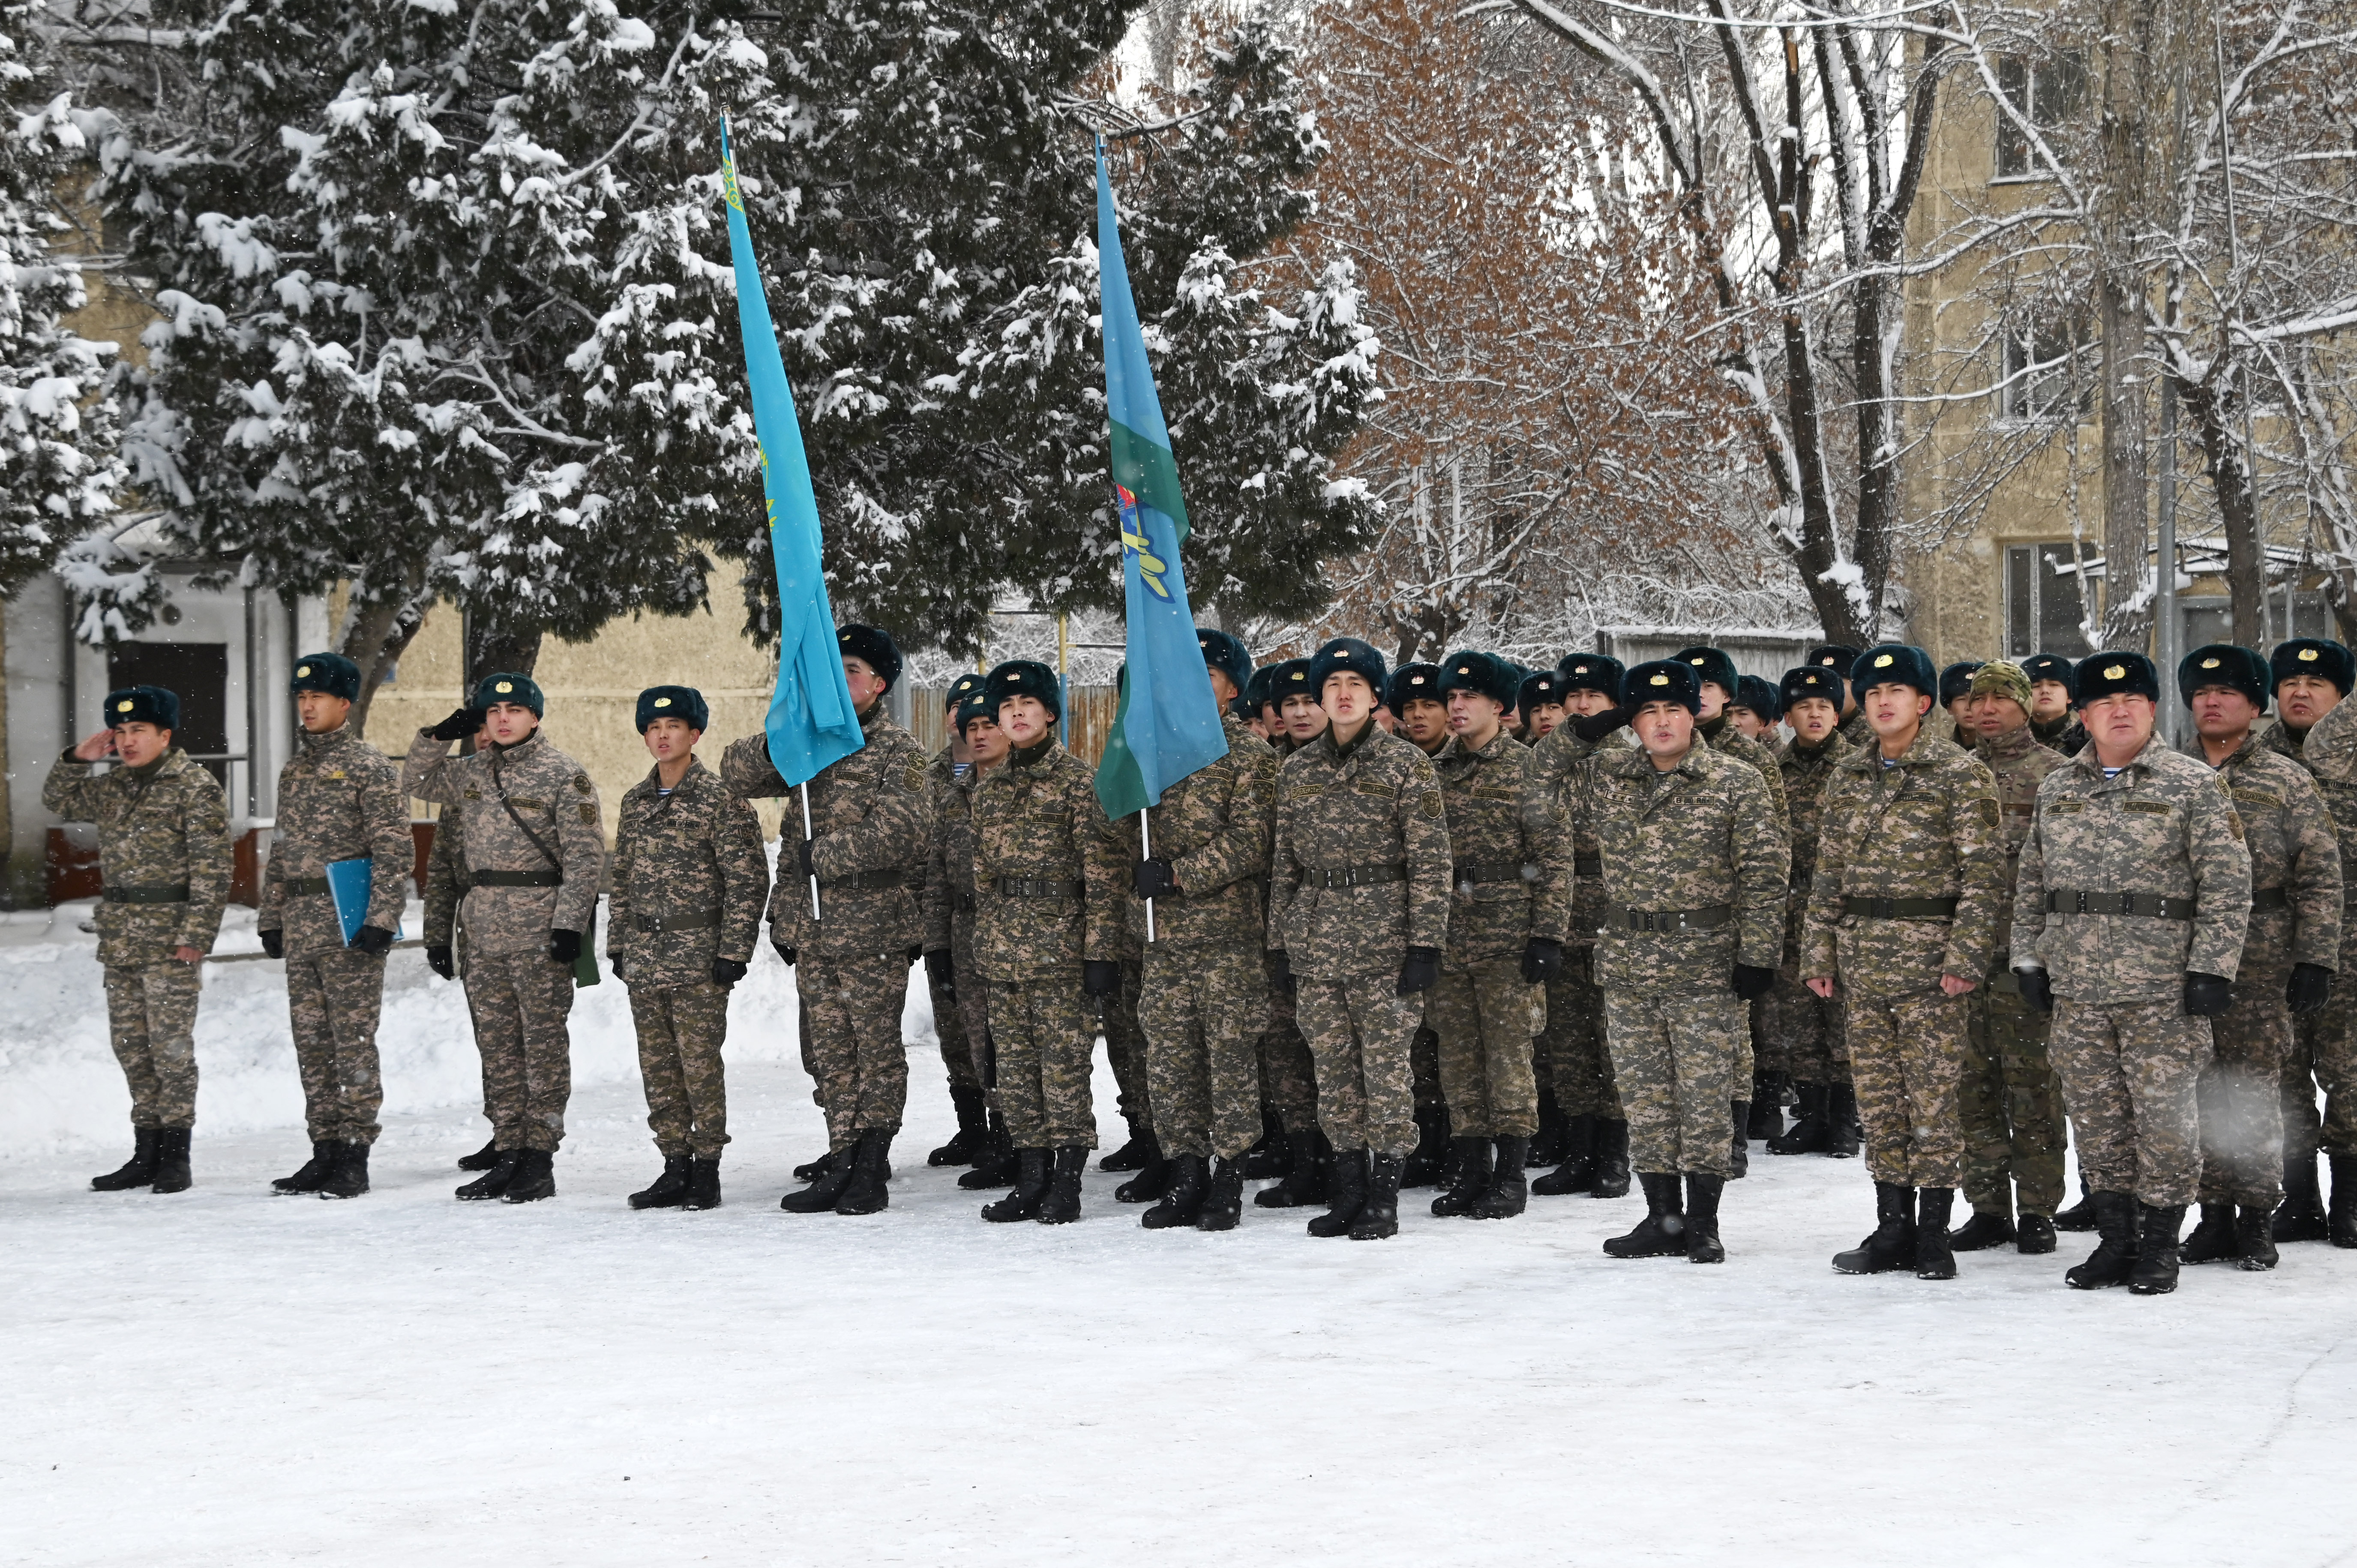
(2324, 1057)
(2129, 1072)
(1802, 1031)
(1674, 1058)
(2012, 1107)
(1197, 1008)
(948, 1026)
(1424, 1065)
(681, 1031)
(1288, 1077)
(151, 1015)
(520, 1003)
(1125, 1039)
(1487, 1015)
(1907, 1057)
(1359, 1030)
(852, 1045)
(1046, 1051)
(2241, 1095)
(333, 998)
(1572, 1045)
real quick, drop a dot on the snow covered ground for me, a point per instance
(226, 1377)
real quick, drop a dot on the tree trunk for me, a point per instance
(2128, 580)
(2227, 465)
(2124, 212)
(500, 651)
(375, 641)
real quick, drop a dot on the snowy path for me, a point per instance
(229, 1378)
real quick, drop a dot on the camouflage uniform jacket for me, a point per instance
(2019, 765)
(162, 826)
(2065, 737)
(1806, 772)
(868, 828)
(1213, 827)
(1046, 877)
(948, 901)
(2329, 752)
(1854, 729)
(1698, 838)
(696, 852)
(1372, 805)
(1566, 768)
(2294, 850)
(2162, 826)
(1925, 828)
(555, 799)
(1721, 734)
(446, 879)
(1512, 875)
(339, 799)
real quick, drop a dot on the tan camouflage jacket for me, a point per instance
(1567, 769)
(2329, 752)
(555, 799)
(1722, 735)
(1854, 729)
(1927, 828)
(1215, 827)
(446, 879)
(2020, 764)
(1699, 839)
(692, 861)
(1511, 878)
(339, 799)
(164, 827)
(948, 902)
(870, 824)
(1047, 877)
(2164, 826)
(2294, 850)
(1372, 806)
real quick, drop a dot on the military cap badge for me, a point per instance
(2210, 664)
(2116, 673)
(504, 687)
(1883, 662)
(123, 707)
(2307, 655)
(662, 702)
(1661, 680)
(302, 670)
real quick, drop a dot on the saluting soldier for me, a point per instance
(164, 864)
(950, 906)
(340, 799)
(1801, 1029)
(690, 879)
(865, 845)
(534, 853)
(2128, 920)
(1359, 907)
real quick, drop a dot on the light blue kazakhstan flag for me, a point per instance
(810, 722)
(1168, 723)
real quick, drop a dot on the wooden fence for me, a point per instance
(1088, 714)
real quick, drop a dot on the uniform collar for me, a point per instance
(519, 748)
(1032, 755)
(2005, 748)
(1344, 752)
(320, 740)
(696, 770)
(1867, 758)
(2139, 762)
(2192, 748)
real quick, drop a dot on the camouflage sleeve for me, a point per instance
(2329, 749)
(2314, 885)
(744, 863)
(441, 889)
(205, 828)
(745, 768)
(2029, 885)
(619, 865)
(1556, 757)
(581, 842)
(934, 901)
(1546, 838)
(1818, 953)
(1284, 875)
(1974, 820)
(1424, 838)
(891, 836)
(392, 848)
(66, 791)
(2222, 882)
(270, 914)
(1104, 880)
(425, 771)
(1240, 850)
(1763, 869)
(1780, 808)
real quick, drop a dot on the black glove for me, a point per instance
(726, 972)
(1419, 970)
(1283, 968)
(2310, 987)
(942, 969)
(2207, 996)
(437, 959)
(1152, 879)
(2036, 989)
(1751, 982)
(1100, 977)
(274, 944)
(916, 952)
(1596, 726)
(1542, 959)
(462, 723)
(789, 954)
(808, 870)
(564, 947)
(371, 940)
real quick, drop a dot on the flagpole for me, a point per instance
(806, 838)
(1145, 846)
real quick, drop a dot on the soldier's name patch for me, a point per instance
(2068, 806)
(1376, 787)
(2155, 807)
(2258, 798)
(1482, 793)
(1304, 791)
(528, 803)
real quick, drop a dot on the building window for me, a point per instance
(2041, 380)
(2043, 605)
(2046, 91)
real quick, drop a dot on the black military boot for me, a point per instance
(1469, 1165)
(1892, 1244)
(702, 1182)
(1062, 1204)
(171, 1160)
(492, 1182)
(1662, 1232)
(2036, 1236)
(2254, 1241)
(1153, 1173)
(1577, 1172)
(2342, 1218)
(1187, 1186)
(347, 1177)
(1806, 1135)
(816, 1168)
(2213, 1240)
(825, 1189)
(1702, 1194)
(1346, 1192)
(2081, 1215)
(535, 1178)
(1030, 1188)
(482, 1159)
(314, 1171)
(1379, 1215)
(2301, 1216)
(1134, 1156)
(994, 1167)
(2155, 1264)
(869, 1190)
(1981, 1232)
(1934, 1258)
(668, 1190)
(1739, 1152)
(1841, 1122)
(1224, 1199)
(1273, 1155)
(1546, 1145)
(1509, 1192)
(1425, 1160)
(1767, 1118)
(2116, 1254)
(1305, 1183)
(137, 1170)
(973, 1136)
(1611, 1160)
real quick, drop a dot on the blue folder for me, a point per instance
(348, 882)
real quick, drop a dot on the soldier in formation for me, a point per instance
(960, 1047)
(1800, 1030)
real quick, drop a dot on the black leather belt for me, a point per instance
(697, 920)
(1672, 921)
(1587, 865)
(303, 887)
(864, 882)
(550, 878)
(1902, 909)
(2072, 901)
(1358, 875)
(2270, 898)
(1036, 887)
(1465, 873)
(148, 893)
